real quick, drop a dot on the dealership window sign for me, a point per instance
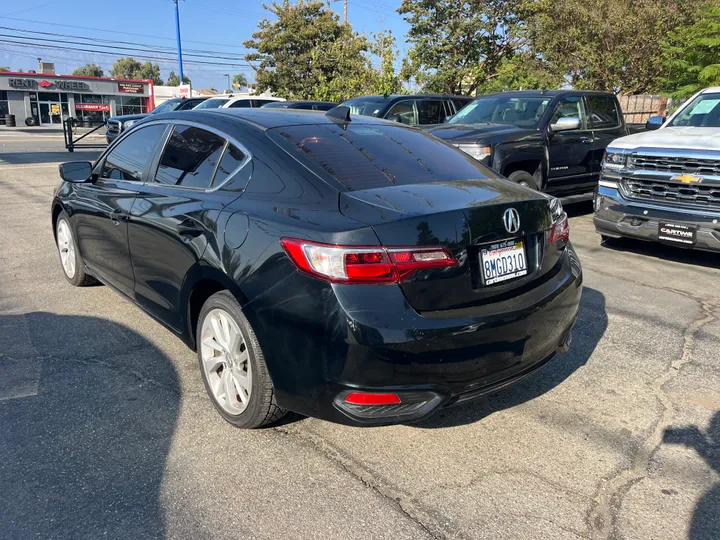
(92, 107)
(130, 88)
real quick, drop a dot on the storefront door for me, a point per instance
(50, 113)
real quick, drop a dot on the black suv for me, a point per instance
(116, 124)
(410, 110)
(552, 141)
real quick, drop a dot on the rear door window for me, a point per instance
(403, 112)
(128, 160)
(240, 104)
(430, 111)
(374, 156)
(232, 158)
(602, 112)
(190, 158)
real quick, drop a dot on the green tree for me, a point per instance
(692, 54)
(305, 52)
(523, 71)
(129, 68)
(174, 80)
(4, 69)
(239, 81)
(89, 70)
(613, 45)
(387, 81)
(457, 45)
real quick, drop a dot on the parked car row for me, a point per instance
(340, 266)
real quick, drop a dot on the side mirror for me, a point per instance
(77, 172)
(567, 123)
(654, 122)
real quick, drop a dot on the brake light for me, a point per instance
(560, 230)
(354, 264)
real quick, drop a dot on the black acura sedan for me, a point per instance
(350, 269)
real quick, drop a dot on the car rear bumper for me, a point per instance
(616, 216)
(323, 341)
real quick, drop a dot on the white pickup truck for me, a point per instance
(663, 185)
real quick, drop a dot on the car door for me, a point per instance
(175, 212)
(430, 111)
(605, 120)
(102, 207)
(570, 153)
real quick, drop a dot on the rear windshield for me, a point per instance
(375, 156)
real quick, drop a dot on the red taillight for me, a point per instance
(354, 264)
(363, 398)
(560, 230)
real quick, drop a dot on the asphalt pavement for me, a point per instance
(106, 432)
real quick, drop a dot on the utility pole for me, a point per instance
(228, 80)
(345, 3)
(177, 30)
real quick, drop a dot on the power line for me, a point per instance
(114, 47)
(44, 23)
(169, 49)
(147, 57)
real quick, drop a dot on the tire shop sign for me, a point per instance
(32, 84)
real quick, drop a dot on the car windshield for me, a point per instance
(517, 111)
(703, 111)
(167, 106)
(212, 103)
(366, 106)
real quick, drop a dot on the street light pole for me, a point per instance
(345, 3)
(228, 80)
(177, 31)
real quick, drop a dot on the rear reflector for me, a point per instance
(362, 398)
(355, 264)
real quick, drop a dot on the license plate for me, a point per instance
(503, 261)
(675, 233)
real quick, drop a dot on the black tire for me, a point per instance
(79, 278)
(262, 409)
(524, 178)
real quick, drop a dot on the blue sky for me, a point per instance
(212, 27)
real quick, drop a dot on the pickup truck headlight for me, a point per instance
(477, 151)
(614, 160)
(129, 123)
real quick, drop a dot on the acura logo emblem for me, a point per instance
(511, 219)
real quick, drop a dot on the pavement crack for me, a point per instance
(601, 518)
(433, 524)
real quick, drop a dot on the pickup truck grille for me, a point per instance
(113, 127)
(695, 195)
(678, 165)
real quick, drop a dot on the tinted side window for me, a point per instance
(404, 111)
(189, 104)
(569, 106)
(231, 160)
(128, 159)
(430, 112)
(190, 157)
(240, 104)
(603, 112)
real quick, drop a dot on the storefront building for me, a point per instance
(38, 99)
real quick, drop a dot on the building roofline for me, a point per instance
(87, 77)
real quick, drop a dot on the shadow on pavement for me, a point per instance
(663, 252)
(706, 516)
(579, 209)
(590, 326)
(87, 414)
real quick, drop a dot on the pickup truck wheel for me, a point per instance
(524, 178)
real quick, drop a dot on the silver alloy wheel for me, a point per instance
(226, 361)
(66, 247)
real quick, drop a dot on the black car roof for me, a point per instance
(392, 97)
(263, 118)
(549, 93)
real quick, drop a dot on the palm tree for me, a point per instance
(239, 81)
